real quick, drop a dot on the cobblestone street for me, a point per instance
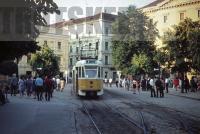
(65, 114)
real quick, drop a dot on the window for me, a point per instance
(106, 74)
(90, 46)
(45, 42)
(71, 61)
(106, 60)
(76, 49)
(90, 71)
(83, 73)
(97, 45)
(77, 59)
(106, 30)
(165, 19)
(70, 49)
(182, 16)
(198, 13)
(99, 72)
(59, 45)
(106, 45)
(79, 72)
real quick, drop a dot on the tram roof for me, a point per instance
(88, 62)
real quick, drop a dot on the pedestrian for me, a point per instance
(193, 84)
(180, 80)
(34, 88)
(48, 87)
(106, 82)
(7, 88)
(176, 83)
(116, 83)
(138, 85)
(62, 84)
(58, 84)
(2, 95)
(29, 86)
(134, 86)
(186, 84)
(110, 82)
(198, 85)
(152, 89)
(54, 86)
(143, 84)
(13, 85)
(39, 87)
(120, 83)
(148, 84)
(159, 88)
(128, 84)
(166, 84)
(124, 83)
(21, 86)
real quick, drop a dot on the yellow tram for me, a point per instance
(88, 77)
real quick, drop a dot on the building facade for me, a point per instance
(90, 37)
(57, 40)
(167, 13)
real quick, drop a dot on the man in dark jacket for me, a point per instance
(159, 87)
(13, 85)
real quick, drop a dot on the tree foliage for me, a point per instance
(46, 61)
(19, 20)
(183, 46)
(134, 34)
(139, 63)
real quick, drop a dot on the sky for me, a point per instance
(77, 8)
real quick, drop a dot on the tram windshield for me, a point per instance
(90, 71)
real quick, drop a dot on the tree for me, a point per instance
(45, 61)
(183, 46)
(194, 37)
(20, 18)
(134, 34)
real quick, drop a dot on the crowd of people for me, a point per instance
(157, 85)
(38, 87)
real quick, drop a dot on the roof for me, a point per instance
(105, 16)
(154, 3)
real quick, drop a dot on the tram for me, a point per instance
(87, 77)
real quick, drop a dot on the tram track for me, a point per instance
(183, 122)
(142, 126)
(118, 122)
(91, 119)
(164, 117)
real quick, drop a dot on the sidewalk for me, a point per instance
(172, 91)
(189, 95)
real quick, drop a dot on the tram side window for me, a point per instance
(99, 72)
(102, 72)
(79, 72)
(83, 73)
